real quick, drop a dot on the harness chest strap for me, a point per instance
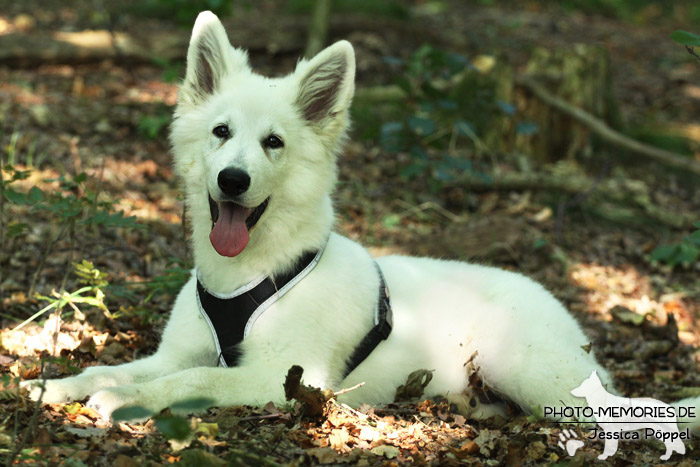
(231, 317)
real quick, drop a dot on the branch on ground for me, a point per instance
(314, 399)
(606, 133)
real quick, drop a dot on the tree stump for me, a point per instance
(581, 76)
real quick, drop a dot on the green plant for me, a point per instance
(685, 252)
(91, 294)
(449, 107)
(170, 281)
(172, 70)
(76, 208)
(152, 126)
(688, 39)
(139, 294)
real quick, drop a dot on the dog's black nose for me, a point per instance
(233, 182)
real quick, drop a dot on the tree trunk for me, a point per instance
(579, 75)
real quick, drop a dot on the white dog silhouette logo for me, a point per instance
(617, 415)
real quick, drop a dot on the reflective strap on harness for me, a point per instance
(231, 317)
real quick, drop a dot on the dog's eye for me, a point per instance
(221, 131)
(273, 142)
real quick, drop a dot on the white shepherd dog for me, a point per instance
(258, 160)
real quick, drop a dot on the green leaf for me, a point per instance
(448, 104)
(391, 137)
(526, 128)
(418, 154)
(443, 174)
(421, 126)
(134, 412)
(695, 237)
(686, 38)
(15, 229)
(15, 197)
(687, 253)
(539, 243)
(506, 107)
(18, 174)
(193, 405)
(663, 252)
(392, 220)
(411, 170)
(35, 195)
(173, 427)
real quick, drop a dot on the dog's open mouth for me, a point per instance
(232, 224)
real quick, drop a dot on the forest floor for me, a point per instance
(108, 118)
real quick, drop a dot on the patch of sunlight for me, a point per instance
(20, 94)
(95, 39)
(166, 210)
(692, 91)
(32, 340)
(6, 26)
(377, 251)
(151, 92)
(623, 286)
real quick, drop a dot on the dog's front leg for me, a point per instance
(95, 378)
(223, 386)
(186, 343)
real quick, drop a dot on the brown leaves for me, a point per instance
(414, 387)
(314, 400)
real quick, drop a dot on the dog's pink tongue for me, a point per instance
(230, 235)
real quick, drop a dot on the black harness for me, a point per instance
(231, 317)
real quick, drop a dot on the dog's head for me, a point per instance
(256, 154)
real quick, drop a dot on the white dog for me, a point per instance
(258, 160)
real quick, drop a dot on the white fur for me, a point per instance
(529, 347)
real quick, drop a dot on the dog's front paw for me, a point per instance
(53, 391)
(107, 401)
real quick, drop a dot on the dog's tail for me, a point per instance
(688, 414)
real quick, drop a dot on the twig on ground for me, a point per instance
(605, 132)
(314, 399)
(262, 417)
(423, 207)
(343, 391)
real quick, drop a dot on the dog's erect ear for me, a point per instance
(210, 57)
(326, 82)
